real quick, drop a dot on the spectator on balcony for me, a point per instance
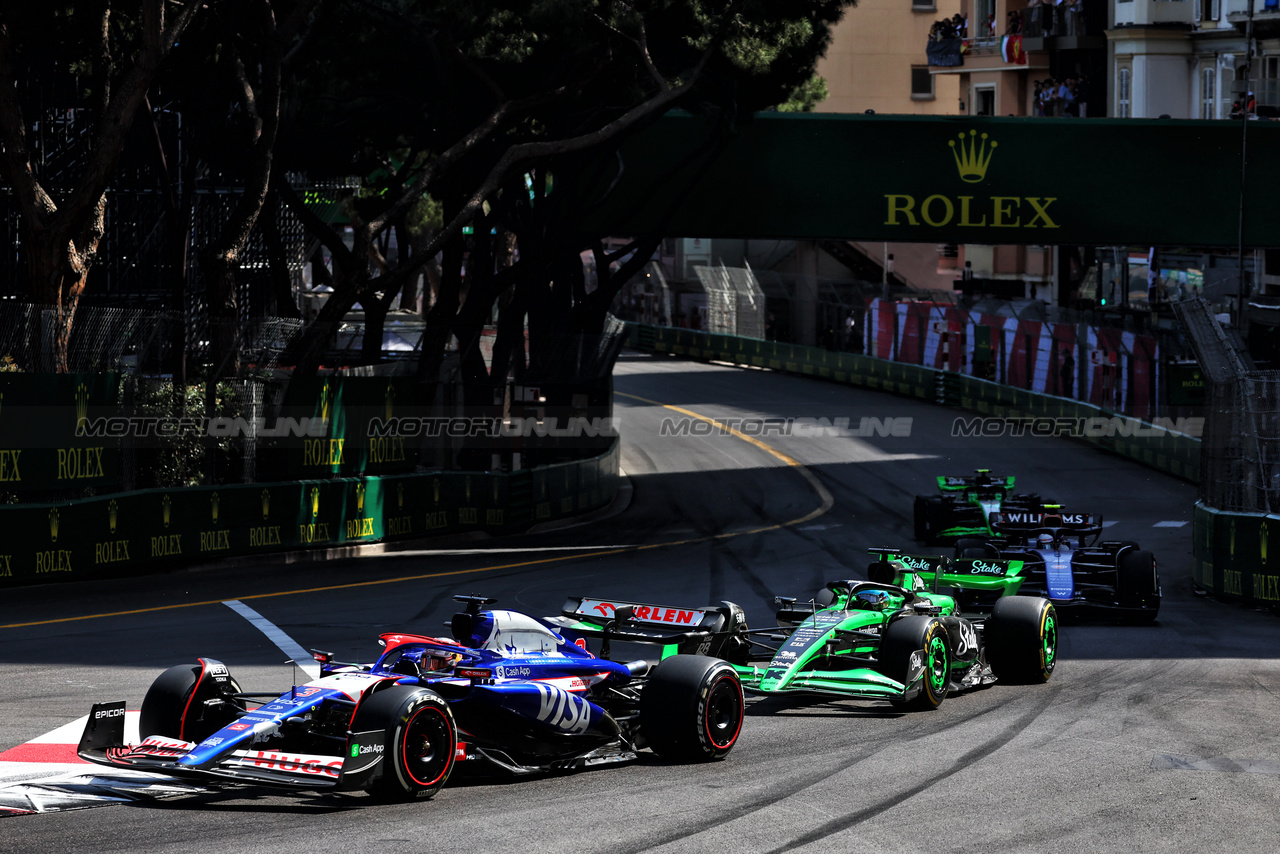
(1044, 9)
(961, 25)
(943, 29)
(1014, 26)
(1067, 98)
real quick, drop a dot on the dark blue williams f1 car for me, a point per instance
(507, 691)
(1065, 560)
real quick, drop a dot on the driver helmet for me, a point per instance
(1044, 540)
(438, 662)
(870, 600)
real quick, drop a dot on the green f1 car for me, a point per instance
(965, 505)
(901, 636)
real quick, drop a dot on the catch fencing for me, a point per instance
(1111, 368)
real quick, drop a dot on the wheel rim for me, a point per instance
(427, 746)
(1049, 640)
(937, 675)
(724, 712)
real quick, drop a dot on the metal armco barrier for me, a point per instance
(160, 529)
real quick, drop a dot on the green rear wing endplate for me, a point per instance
(977, 573)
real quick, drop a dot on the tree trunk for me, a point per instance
(59, 265)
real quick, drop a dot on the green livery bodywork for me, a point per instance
(965, 505)
(836, 644)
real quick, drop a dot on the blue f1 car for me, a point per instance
(1065, 560)
(507, 691)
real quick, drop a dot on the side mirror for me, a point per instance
(625, 613)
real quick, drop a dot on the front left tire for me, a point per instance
(419, 745)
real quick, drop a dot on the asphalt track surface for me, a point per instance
(1155, 738)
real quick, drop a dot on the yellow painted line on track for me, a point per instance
(828, 501)
(826, 504)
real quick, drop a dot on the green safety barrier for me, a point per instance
(158, 529)
(1153, 445)
(1229, 555)
(47, 435)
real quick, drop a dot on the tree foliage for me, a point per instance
(484, 105)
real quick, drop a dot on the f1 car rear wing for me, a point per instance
(1052, 520)
(977, 573)
(690, 629)
(981, 481)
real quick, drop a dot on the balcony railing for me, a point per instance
(1041, 22)
(1148, 12)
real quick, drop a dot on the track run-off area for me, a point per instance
(1147, 738)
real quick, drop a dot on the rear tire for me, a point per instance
(169, 700)
(1138, 585)
(419, 745)
(901, 640)
(691, 708)
(1021, 639)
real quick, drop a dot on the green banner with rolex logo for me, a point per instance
(936, 179)
(48, 439)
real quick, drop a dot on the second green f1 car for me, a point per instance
(901, 637)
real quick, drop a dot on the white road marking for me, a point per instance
(1170, 524)
(287, 645)
(1109, 523)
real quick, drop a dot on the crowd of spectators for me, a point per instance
(1053, 18)
(1066, 97)
(955, 27)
